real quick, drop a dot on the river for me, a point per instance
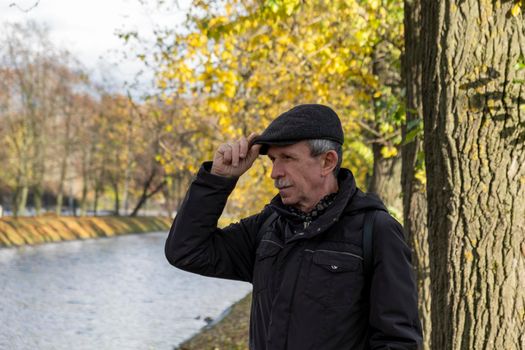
(108, 293)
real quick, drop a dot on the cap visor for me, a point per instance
(267, 144)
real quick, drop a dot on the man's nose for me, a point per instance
(277, 171)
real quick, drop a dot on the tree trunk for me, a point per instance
(129, 163)
(65, 157)
(386, 176)
(386, 179)
(61, 184)
(117, 201)
(95, 201)
(83, 198)
(145, 187)
(145, 196)
(86, 179)
(127, 177)
(72, 206)
(475, 159)
(21, 200)
(414, 194)
(60, 201)
(38, 129)
(38, 193)
(99, 186)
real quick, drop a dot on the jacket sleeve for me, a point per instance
(394, 316)
(196, 244)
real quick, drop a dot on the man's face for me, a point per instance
(296, 174)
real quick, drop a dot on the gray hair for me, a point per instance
(320, 146)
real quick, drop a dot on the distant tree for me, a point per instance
(42, 89)
(70, 94)
(150, 176)
(30, 60)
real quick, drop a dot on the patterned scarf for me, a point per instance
(319, 209)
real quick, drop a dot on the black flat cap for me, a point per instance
(303, 122)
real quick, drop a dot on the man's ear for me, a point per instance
(329, 163)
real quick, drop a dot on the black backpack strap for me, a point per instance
(368, 247)
(266, 225)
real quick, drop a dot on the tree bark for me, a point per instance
(95, 200)
(386, 176)
(475, 161)
(38, 193)
(61, 184)
(414, 193)
(386, 179)
(21, 200)
(83, 198)
(117, 200)
(86, 180)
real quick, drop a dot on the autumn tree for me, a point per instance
(238, 64)
(150, 176)
(64, 126)
(84, 162)
(473, 82)
(63, 134)
(30, 61)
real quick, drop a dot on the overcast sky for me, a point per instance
(87, 27)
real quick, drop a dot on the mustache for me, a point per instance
(280, 183)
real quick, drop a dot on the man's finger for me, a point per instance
(243, 143)
(251, 138)
(226, 151)
(253, 152)
(235, 154)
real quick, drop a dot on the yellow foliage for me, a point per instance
(238, 68)
(516, 8)
(197, 40)
(421, 176)
(389, 152)
(219, 106)
(248, 199)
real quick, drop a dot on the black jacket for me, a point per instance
(308, 283)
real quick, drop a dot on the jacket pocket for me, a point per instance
(266, 255)
(335, 277)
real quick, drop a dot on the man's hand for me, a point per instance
(234, 158)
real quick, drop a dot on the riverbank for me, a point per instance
(231, 333)
(37, 230)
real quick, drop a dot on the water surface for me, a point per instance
(109, 293)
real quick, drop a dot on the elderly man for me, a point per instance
(329, 266)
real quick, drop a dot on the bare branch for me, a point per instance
(14, 4)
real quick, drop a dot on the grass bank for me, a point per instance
(36, 230)
(231, 333)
